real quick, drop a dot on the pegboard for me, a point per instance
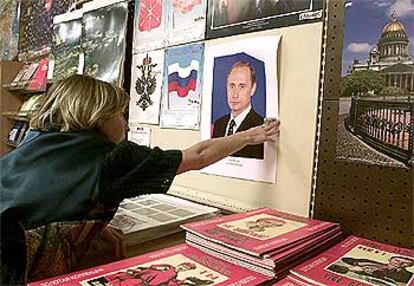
(371, 201)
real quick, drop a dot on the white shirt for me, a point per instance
(238, 119)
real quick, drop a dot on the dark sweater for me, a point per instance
(68, 176)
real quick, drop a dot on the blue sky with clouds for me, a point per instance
(364, 21)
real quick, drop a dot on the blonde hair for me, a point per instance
(79, 103)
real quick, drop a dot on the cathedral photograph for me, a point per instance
(376, 106)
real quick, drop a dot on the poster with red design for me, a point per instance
(362, 262)
(180, 105)
(186, 21)
(146, 86)
(149, 25)
(178, 265)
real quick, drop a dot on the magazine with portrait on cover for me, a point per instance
(358, 261)
(178, 265)
(258, 232)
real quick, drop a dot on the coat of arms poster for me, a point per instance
(146, 84)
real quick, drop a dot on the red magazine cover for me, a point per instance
(178, 265)
(39, 80)
(258, 232)
(359, 262)
(272, 261)
(291, 281)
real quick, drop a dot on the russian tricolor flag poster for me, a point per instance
(180, 107)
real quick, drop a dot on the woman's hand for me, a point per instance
(210, 151)
(267, 132)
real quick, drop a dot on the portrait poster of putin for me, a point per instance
(238, 99)
(240, 92)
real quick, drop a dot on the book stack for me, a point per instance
(30, 106)
(149, 217)
(38, 81)
(32, 77)
(357, 261)
(178, 265)
(17, 132)
(264, 240)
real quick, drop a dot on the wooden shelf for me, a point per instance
(10, 143)
(21, 90)
(15, 116)
(10, 103)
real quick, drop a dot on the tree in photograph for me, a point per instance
(359, 83)
(391, 91)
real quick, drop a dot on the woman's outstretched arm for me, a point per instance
(210, 151)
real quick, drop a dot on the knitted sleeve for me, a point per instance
(130, 170)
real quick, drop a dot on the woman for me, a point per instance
(74, 165)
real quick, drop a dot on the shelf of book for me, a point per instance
(10, 143)
(10, 102)
(15, 116)
(21, 90)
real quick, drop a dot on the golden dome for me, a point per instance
(394, 25)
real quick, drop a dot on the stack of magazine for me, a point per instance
(178, 265)
(153, 216)
(356, 261)
(264, 240)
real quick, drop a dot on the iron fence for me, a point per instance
(385, 124)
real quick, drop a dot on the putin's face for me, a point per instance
(240, 89)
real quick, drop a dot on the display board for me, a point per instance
(370, 198)
(299, 61)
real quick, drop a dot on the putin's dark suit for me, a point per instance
(252, 119)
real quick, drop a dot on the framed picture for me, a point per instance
(230, 17)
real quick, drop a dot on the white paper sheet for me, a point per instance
(140, 135)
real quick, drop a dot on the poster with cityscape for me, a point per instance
(376, 105)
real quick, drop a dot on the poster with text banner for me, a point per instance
(240, 90)
(104, 42)
(66, 46)
(183, 71)
(230, 17)
(146, 87)
(186, 21)
(149, 25)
